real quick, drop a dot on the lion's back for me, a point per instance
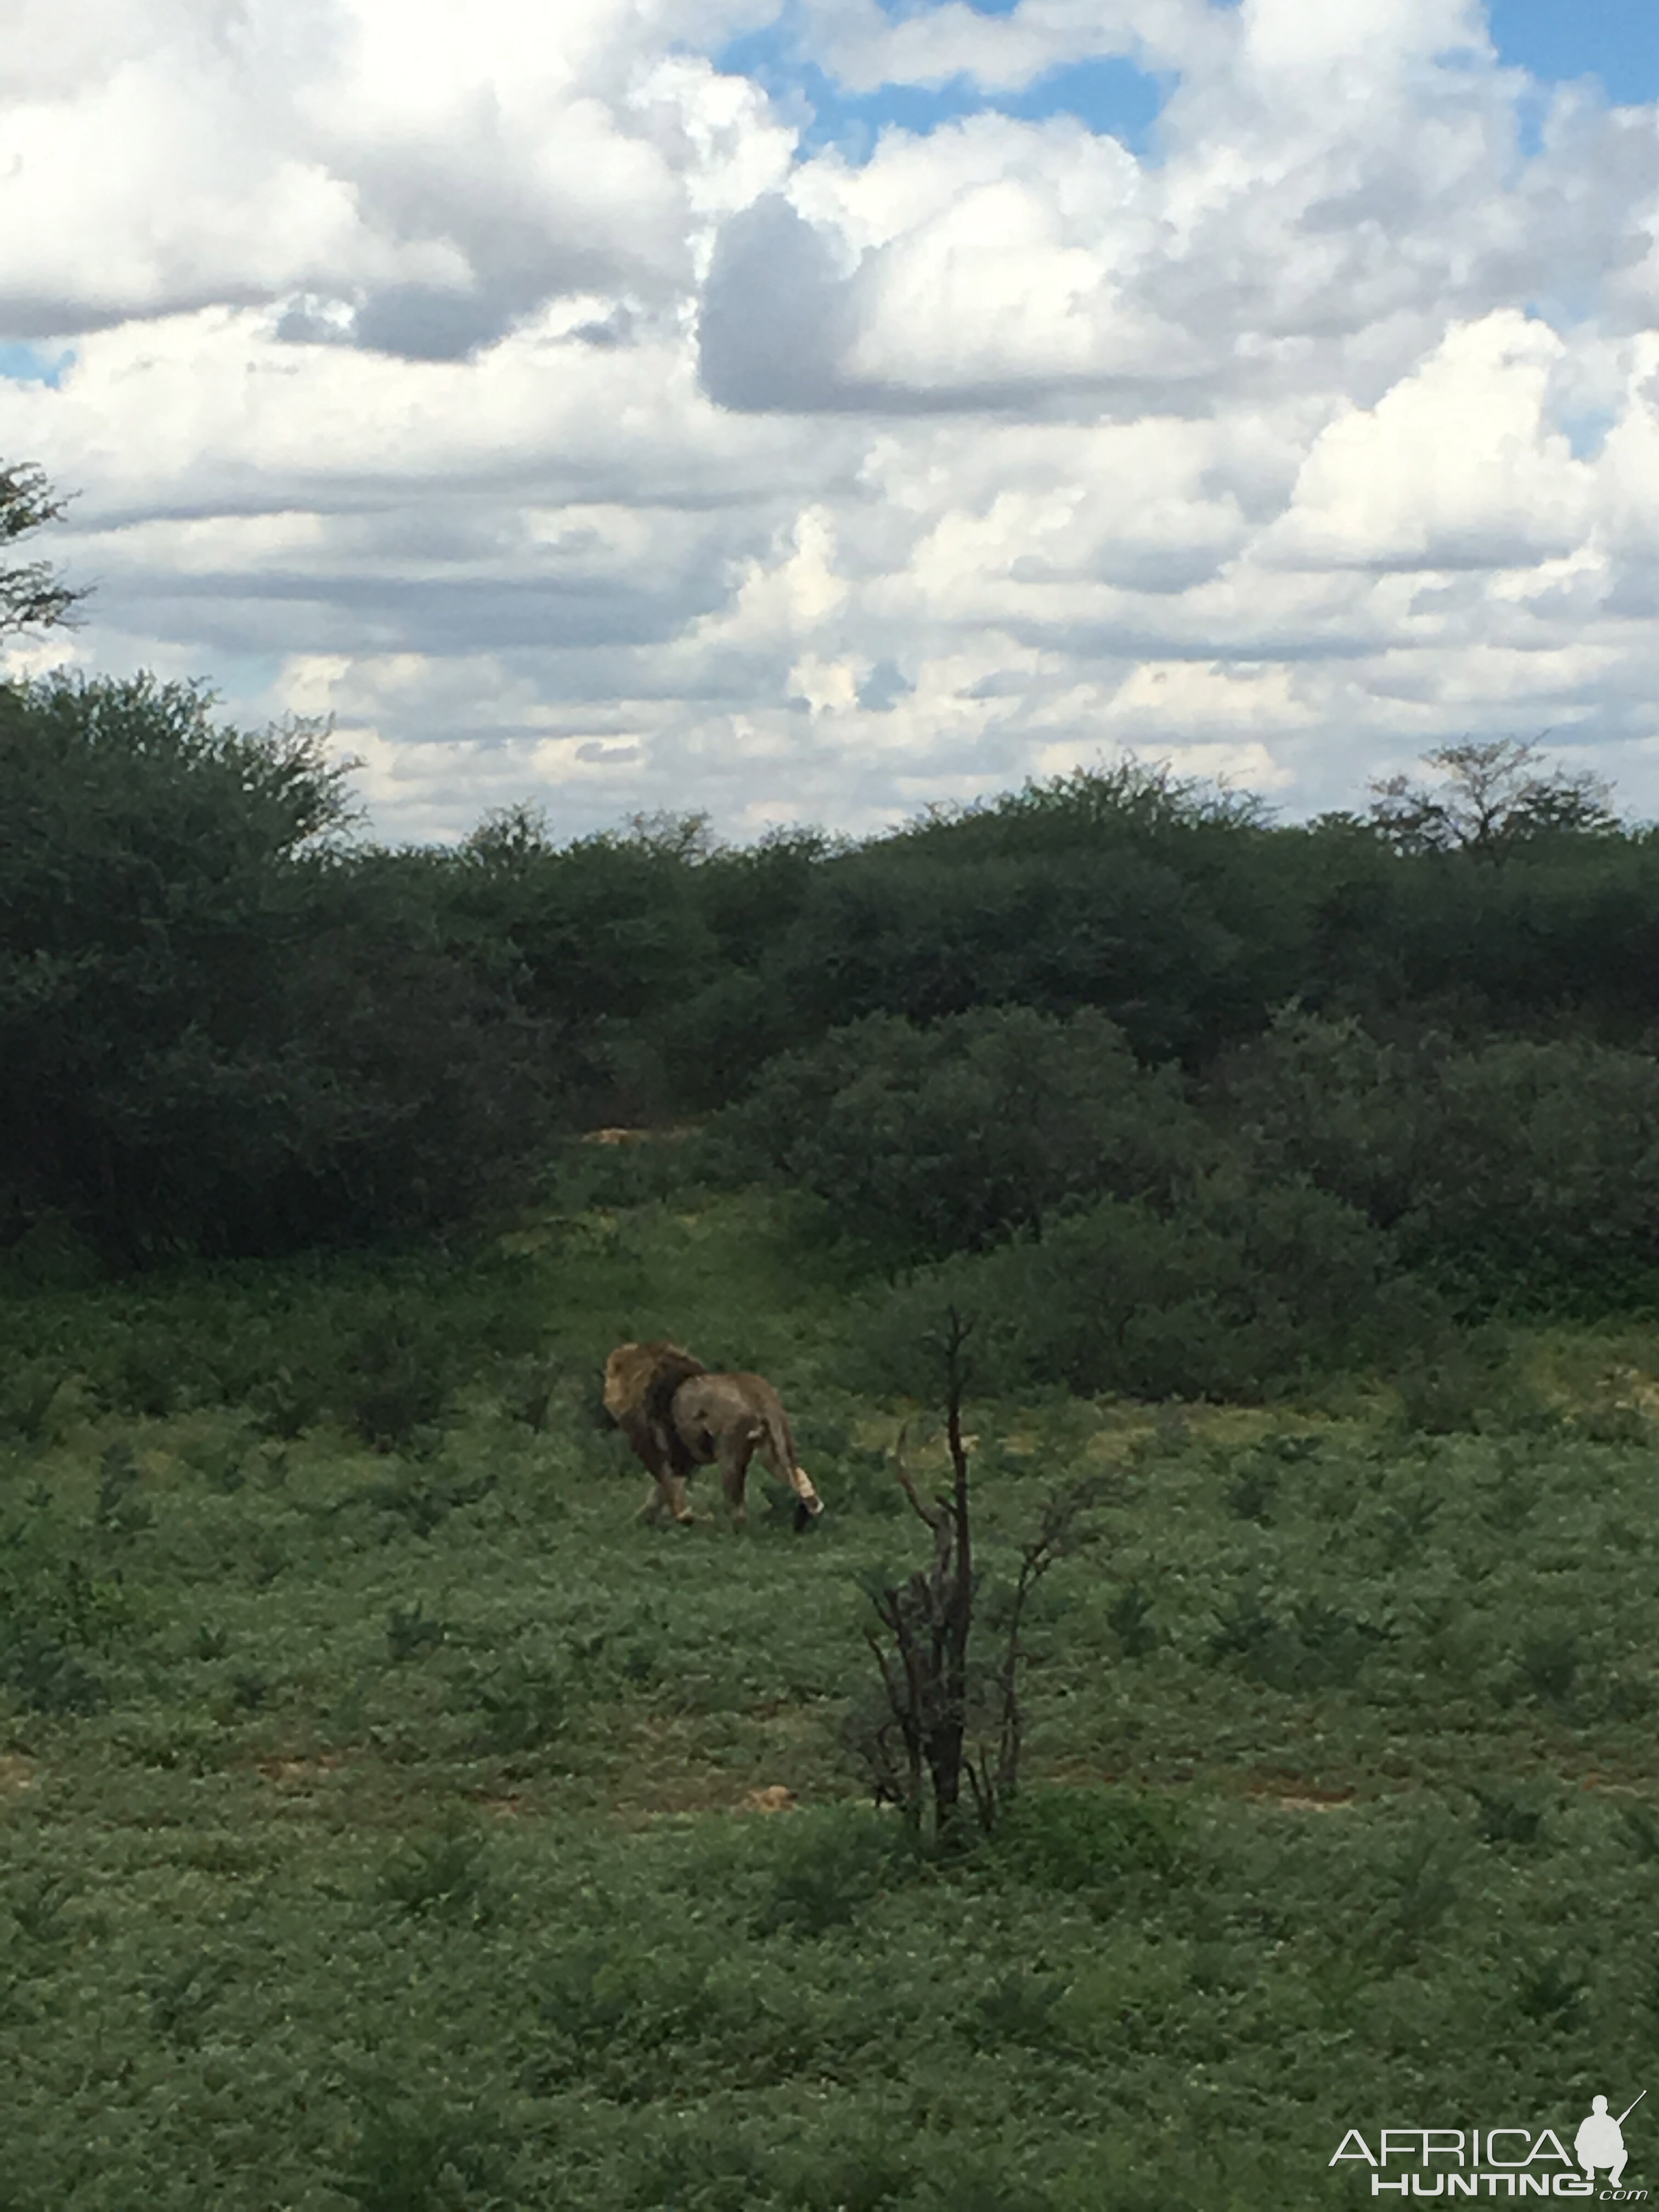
(722, 1403)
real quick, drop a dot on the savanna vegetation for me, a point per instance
(1259, 1219)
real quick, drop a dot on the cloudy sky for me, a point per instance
(803, 414)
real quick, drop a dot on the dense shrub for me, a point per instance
(1324, 1096)
(949, 1138)
(1570, 927)
(1238, 1293)
(220, 1030)
(1534, 1163)
(1087, 1839)
(1544, 1157)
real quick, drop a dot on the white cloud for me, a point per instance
(1367, 41)
(442, 167)
(507, 385)
(1456, 467)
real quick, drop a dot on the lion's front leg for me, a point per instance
(669, 1497)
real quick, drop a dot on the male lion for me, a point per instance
(678, 1416)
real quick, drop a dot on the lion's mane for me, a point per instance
(640, 1382)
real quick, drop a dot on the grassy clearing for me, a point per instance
(390, 1822)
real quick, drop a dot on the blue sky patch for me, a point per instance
(1109, 96)
(27, 364)
(1616, 41)
(1586, 430)
(241, 678)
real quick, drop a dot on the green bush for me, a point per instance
(27, 1393)
(220, 1032)
(445, 1872)
(1527, 1165)
(58, 1616)
(1087, 1839)
(1303, 1645)
(1235, 1297)
(412, 2154)
(829, 1865)
(524, 1700)
(927, 1141)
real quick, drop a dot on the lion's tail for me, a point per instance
(781, 1444)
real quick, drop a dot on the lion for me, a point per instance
(679, 1417)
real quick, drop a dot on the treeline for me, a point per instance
(229, 1025)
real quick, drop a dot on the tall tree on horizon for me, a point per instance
(31, 596)
(1493, 799)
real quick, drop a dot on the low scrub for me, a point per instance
(1248, 1290)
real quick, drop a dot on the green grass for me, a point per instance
(381, 1804)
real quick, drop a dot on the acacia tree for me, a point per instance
(31, 597)
(1492, 799)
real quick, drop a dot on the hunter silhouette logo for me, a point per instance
(1526, 2161)
(1600, 2141)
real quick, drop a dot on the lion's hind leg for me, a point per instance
(736, 1449)
(778, 1448)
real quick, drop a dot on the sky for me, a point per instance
(807, 413)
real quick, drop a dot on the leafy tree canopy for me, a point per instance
(1493, 799)
(31, 597)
